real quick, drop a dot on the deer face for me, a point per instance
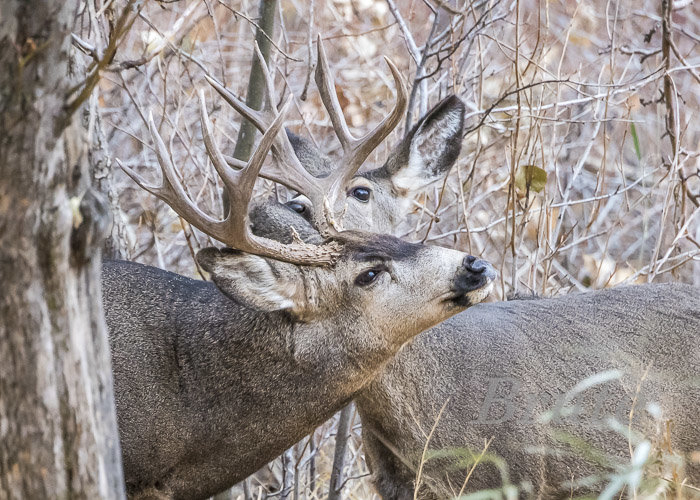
(380, 284)
(374, 286)
(379, 199)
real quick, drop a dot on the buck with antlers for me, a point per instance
(214, 380)
(580, 362)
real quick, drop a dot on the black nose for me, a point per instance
(474, 265)
(478, 267)
(474, 274)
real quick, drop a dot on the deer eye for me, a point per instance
(299, 208)
(360, 193)
(368, 277)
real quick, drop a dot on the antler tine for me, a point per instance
(229, 177)
(251, 114)
(171, 190)
(258, 118)
(367, 143)
(137, 178)
(267, 77)
(356, 150)
(326, 87)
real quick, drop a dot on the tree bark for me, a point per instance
(116, 245)
(58, 435)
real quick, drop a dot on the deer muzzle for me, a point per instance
(473, 281)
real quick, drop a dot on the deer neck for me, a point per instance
(345, 362)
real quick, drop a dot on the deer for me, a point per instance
(504, 390)
(213, 379)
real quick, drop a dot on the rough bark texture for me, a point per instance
(58, 434)
(116, 245)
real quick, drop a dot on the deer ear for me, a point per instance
(430, 149)
(258, 283)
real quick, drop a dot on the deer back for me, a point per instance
(536, 377)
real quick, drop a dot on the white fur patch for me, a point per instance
(260, 286)
(477, 296)
(409, 178)
(276, 293)
(275, 300)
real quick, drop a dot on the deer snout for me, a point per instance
(473, 281)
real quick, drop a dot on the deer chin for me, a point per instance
(464, 300)
(476, 296)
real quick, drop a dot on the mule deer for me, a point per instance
(214, 380)
(495, 370)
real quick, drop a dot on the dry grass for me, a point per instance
(621, 198)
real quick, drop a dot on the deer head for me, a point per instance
(379, 198)
(308, 280)
(376, 199)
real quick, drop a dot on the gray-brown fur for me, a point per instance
(547, 345)
(275, 221)
(213, 381)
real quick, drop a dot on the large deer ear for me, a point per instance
(429, 150)
(263, 284)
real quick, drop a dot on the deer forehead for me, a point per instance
(370, 246)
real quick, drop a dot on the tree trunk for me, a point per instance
(116, 245)
(254, 97)
(58, 436)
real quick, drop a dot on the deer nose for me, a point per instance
(479, 267)
(473, 275)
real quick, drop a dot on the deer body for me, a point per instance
(187, 394)
(499, 367)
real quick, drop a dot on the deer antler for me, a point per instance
(234, 230)
(323, 192)
(355, 150)
(286, 170)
